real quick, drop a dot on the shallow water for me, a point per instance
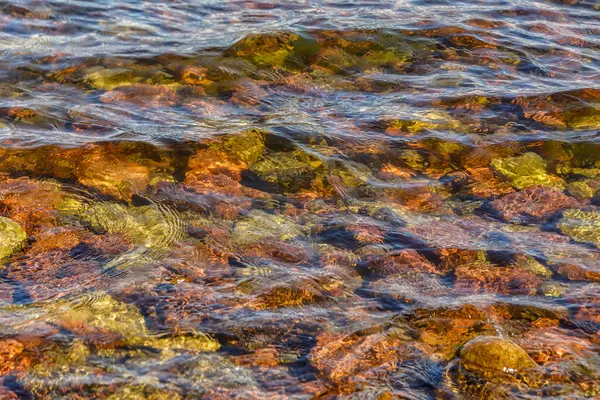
(315, 199)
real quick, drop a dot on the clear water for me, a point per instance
(207, 219)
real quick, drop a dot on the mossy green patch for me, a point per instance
(291, 170)
(582, 226)
(581, 190)
(109, 78)
(101, 311)
(274, 49)
(489, 355)
(246, 146)
(259, 225)
(524, 171)
(12, 237)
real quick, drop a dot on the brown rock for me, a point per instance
(484, 278)
(142, 95)
(490, 355)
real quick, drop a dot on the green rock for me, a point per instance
(532, 265)
(336, 59)
(275, 49)
(581, 190)
(385, 58)
(582, 226)
(99, 310)
(524, 171)
(586, 172)
(429, 121)
(12, 237)
(147, 226)
(247, 146)
(588, 118)
(291, 170)
(491, 355)
(152, 229)
(259, 225)
(553, 289)
(108, 79)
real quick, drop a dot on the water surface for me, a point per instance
(300, 199)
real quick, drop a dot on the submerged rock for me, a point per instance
(106, 322)
(490, 355)
(290, 171)
(258, 226)
(524, 171)
(275, 49)
(576, 109)
(12, 237)
(246, 146)
(484, 277)
(102, 78)
(582, 226)
(532, 205)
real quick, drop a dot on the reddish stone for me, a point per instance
(7, 394)
(484, 278)
(400, 261)
(30, 203)
(278, 251)
(249, 93)
(339, 357)
(367, 234)
(212, 171)
(192, 75)
(451, 258)
(267, 357)
(555, 345)
(445, 330)
(577, 273)
(483, 183)
(54, 274)
(532, 205)
(56, 239)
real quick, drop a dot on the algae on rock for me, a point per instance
(12, 237)
(246, 146)
(259, 225)
(275, 49)
(291, 171)
(101, 311)
(582, 226)
(490, 355)
(102, 78)
(525, 170)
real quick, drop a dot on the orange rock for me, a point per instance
(340, 357)
(483, 278)
(32, 204)
(578, 273)
(400, 261)
(267, 357)
(105, 170)
(192, 75)
(532, 205)
(57, 239)
(446, 330)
